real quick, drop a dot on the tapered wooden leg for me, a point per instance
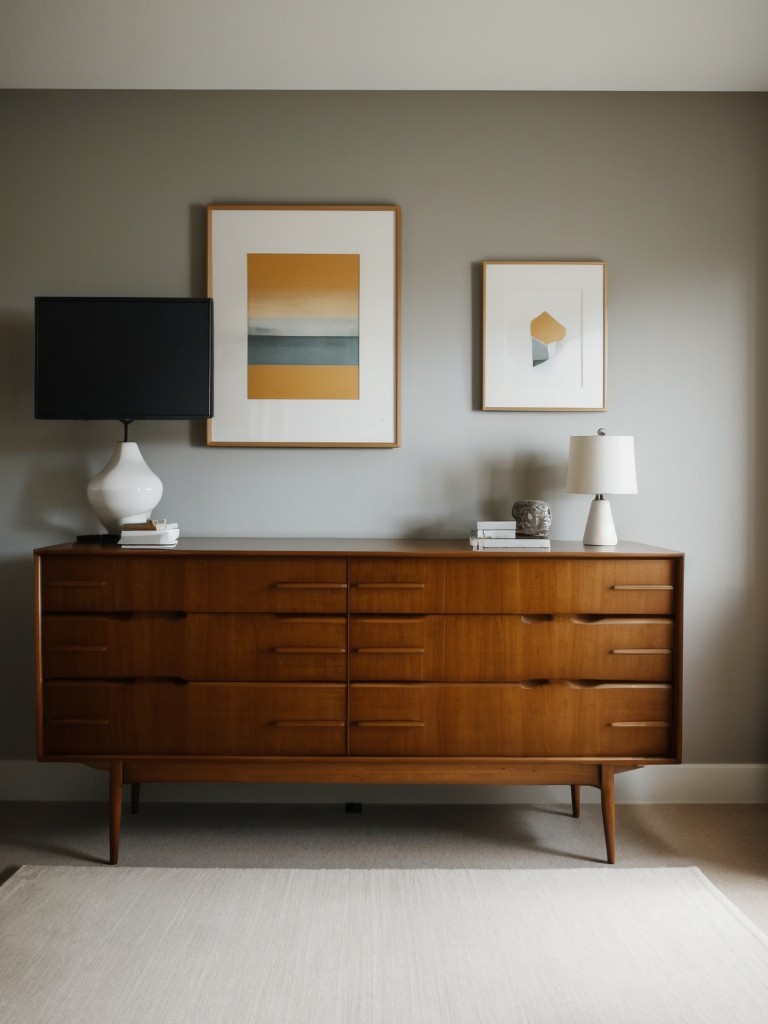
(576, 800)
(135, 797)
(115, 808)
(607, 799)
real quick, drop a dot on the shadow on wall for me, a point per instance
(17, 369)
(45, 468)
(488, 492)
(531, 477)
(54, 500)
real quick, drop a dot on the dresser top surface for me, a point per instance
(359, 546)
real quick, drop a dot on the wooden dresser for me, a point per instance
(359, 661)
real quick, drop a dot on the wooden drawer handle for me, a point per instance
(390, 725)
(76, 583)
(614, 684)
(642, 586)
(388, 650)
(310, 650)
(390, 586)
(391, 620)
(294, 723)
(619, 620)
(77, 721)
(304, 619)
(643, 650)
(310, 586)
(639, 725)
(77, 649)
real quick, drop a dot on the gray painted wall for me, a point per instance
(105, 193)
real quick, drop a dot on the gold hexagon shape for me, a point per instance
(546, 329)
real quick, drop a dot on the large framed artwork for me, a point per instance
(544, 344)
(306, 325)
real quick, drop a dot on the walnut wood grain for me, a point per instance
(552, 719)
(146, 718)
(359, 661)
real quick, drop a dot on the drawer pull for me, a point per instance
(295, 723)
(640, 725)
(395, 724)
(390, 586)
(615, 684)
(389, 650)
(311, 619)
(310, 650)
(621, 620)
(77, 721)
(391, 620)
(311, 586)
(76, 583)
(642, 586)
(643, 650)
(78, 649)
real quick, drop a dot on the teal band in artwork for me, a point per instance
(302, 351)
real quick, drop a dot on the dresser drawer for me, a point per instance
(397, 585)
(201, 719)
(494, 648)
(121, 581)
(267, 647)
(530, 585)
(311, 585)
(543, 719)
(395, 720)
(552, 718)
(217, 646)
(113, 645)
(397, 647)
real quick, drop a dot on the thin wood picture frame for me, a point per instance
(306, 325)
(544, 336)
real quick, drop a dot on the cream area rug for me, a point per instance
(80, 945)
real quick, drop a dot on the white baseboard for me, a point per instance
(661, 784)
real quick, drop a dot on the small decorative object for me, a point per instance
(533, 518)
(600, 465)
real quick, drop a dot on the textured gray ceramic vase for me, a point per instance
(533, 518)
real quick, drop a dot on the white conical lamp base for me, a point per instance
(126, 490)
(600, 530)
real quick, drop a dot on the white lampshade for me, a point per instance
(602, 464)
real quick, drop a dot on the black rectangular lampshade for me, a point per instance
(123, 359)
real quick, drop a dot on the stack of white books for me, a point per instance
(503, 534)
(153, 534)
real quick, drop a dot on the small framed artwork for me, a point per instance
(306, 325)
(544, 345)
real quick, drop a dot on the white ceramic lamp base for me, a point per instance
(126, 490)
(600, 531)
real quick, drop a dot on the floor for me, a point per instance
(728, 842)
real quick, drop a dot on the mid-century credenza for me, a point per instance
(359, 661)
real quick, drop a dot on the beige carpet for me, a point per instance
(232, 946)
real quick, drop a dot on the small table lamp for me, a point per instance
(600, 464)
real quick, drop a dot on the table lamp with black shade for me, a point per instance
(123, 359)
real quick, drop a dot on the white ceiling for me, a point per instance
(688, 45)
